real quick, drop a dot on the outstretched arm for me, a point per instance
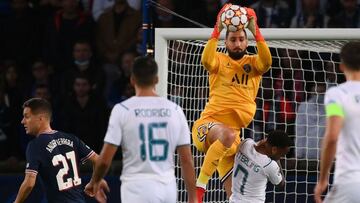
(26, 187)
(188, 171)
(263, 59)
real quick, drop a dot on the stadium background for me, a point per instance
(77, 55)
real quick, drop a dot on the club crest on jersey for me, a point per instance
(247, 68)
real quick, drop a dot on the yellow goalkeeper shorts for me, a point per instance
(200, 130)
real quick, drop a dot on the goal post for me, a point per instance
(305, 64)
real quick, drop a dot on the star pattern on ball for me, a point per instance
(227, 21)
(238, 13)
(234, 18)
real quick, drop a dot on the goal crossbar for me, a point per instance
(162, 35)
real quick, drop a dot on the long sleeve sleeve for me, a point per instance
(263, 58)
(208, 57)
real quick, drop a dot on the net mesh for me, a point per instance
(290, 98)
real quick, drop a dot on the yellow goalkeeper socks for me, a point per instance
(215, 152)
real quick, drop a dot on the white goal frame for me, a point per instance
(314, 53)
(162, 35)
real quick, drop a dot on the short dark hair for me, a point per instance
(278, 138)
(144, 71)
(350, 55)
(227, 33)
(38, 105)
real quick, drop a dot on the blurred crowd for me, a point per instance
(78, 53)
(270, 13)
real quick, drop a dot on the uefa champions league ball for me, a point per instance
(234, 18)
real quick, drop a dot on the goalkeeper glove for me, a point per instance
(252, 25)
(200, 193)
(218, 26)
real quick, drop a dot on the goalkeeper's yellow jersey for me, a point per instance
(233, 84)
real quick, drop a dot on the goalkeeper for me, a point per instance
(234, 80)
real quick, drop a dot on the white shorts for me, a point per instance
(238, 198)
(346, 193)
(148, 191)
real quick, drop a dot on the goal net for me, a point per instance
(305, 64)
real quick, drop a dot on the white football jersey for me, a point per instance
(251, 172)
(148, 129)
(347, 167)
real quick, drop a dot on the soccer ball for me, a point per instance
(234, 18)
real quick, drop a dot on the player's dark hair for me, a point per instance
(278, 138)
(227, 33)
(144, 71)
(350, 55)
(38, 105)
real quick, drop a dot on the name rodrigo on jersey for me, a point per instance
(162, 112)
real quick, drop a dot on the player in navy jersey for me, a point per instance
(55, 156)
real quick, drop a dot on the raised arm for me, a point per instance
(208, 57)
(188, 171)
(263, 58)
